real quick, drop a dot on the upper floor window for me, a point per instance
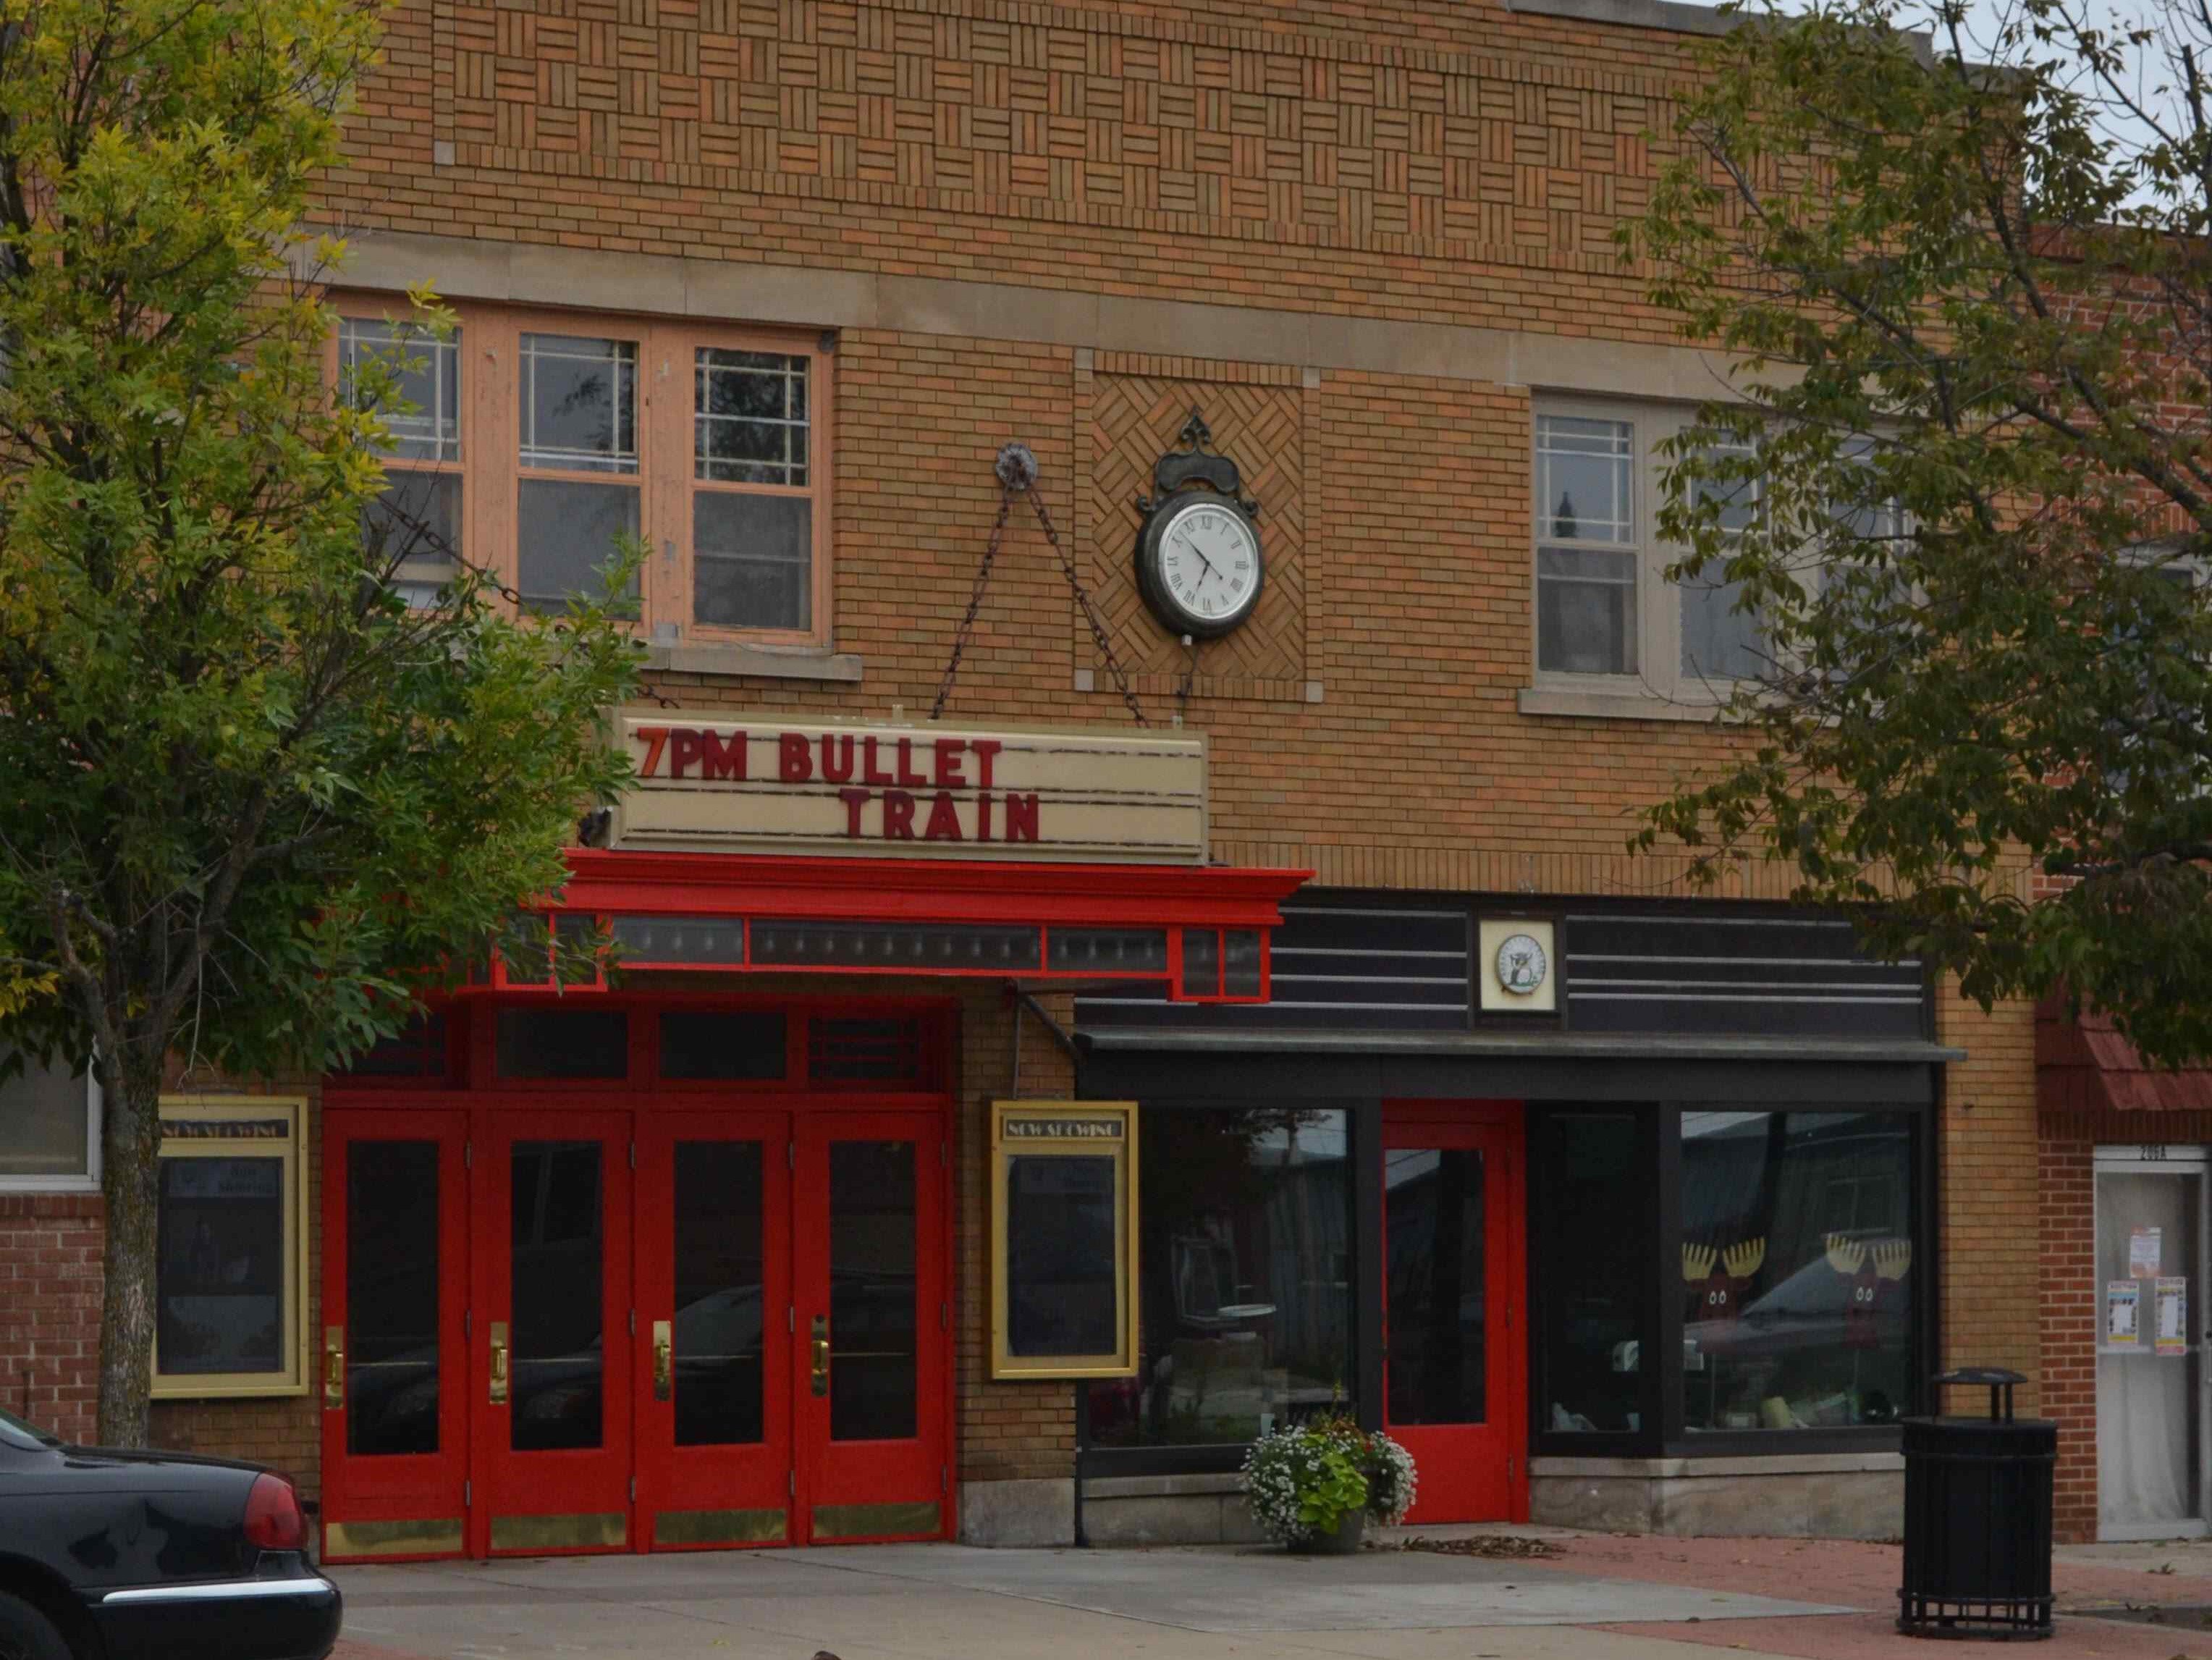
(1606, 617)
(707, 444)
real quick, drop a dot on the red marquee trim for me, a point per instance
(924, 891)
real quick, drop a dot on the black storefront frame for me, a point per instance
(1762, 1079)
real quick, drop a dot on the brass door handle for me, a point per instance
(499, 1363)
(664, 1359)
(334, 1376)
(821, 1376)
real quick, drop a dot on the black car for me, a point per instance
(112, 1555)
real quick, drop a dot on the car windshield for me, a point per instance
(15, 1432)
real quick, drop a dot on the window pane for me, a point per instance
(719, 1352)
(751, 424)
(42, 1122)
(568, 539)
(392, 1297)
(1797, 1269)
(424, 413)
(752, 560)
(1060, 1273)
(579, 404)
(414, 528)
(1582, 485)
(1585, 612)
(873, 1329)
(556, 1400)
(1245, 1297)
(2147, 1410)
(220, 1254)
(1591, 1203)
(563, 1043)
(1719, 641)
(738, 1044)
(1433, 1217)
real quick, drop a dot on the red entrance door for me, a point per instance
(551, 1386)
(873, 1324)
(714, 1452)
(394, 1352)
(1455, 1351)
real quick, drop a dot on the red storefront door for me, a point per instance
(1455, 1347)
(394, 1361)
(714, 1319)
(870, 1367)
(551, 1388)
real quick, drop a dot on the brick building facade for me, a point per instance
(1370, 245)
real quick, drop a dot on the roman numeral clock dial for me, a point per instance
(1199, 566)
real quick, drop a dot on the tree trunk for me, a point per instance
(131, 1147)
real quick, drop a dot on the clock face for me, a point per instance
(1203, 567)
(1520, 965)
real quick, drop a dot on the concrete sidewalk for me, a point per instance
(1603, 1597)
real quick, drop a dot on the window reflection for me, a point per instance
(1245, 1299)
(1591, 1206)
(1798, 1269)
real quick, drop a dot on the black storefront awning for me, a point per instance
(1365, 1064)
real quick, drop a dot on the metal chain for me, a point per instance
(975, 605)
(1017, 470)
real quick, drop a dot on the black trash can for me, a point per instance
(1977, 1518)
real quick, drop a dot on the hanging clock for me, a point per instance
(1200, 565)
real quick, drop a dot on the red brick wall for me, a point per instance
(2067, 1147)
(50, 1290)
(2069, 1325)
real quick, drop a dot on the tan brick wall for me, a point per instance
(1992, 1268)
(1381, 160)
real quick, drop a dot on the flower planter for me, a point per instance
(1344, 1541)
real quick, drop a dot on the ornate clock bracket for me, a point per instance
(1196, 463)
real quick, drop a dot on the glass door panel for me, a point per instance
(1453, 1353)
(2149, 1364)
(713, 1354)
(872, 1319)
(553, 1274)
(872, 1312)
(1438, 1296)
(392, 1366)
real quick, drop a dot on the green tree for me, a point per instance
(1965, 500)
(253, 804)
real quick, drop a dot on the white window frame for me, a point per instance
(89, 1181)
(1660, 682)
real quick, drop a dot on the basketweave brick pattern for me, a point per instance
(51, 1249)
(1096, 115)
(1134, 420)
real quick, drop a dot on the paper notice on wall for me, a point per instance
(2172, 1333)
(2143, 1254)
(2123, 1302)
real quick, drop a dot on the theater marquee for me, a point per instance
(787, 785)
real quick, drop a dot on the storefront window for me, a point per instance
(1591, 1201)
(1245, 1301)
(1798, 1269)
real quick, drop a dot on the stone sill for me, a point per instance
(1610, 705)
(761, 662)
(1669, 15)
(1162, 1487)
(1781, 1462)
